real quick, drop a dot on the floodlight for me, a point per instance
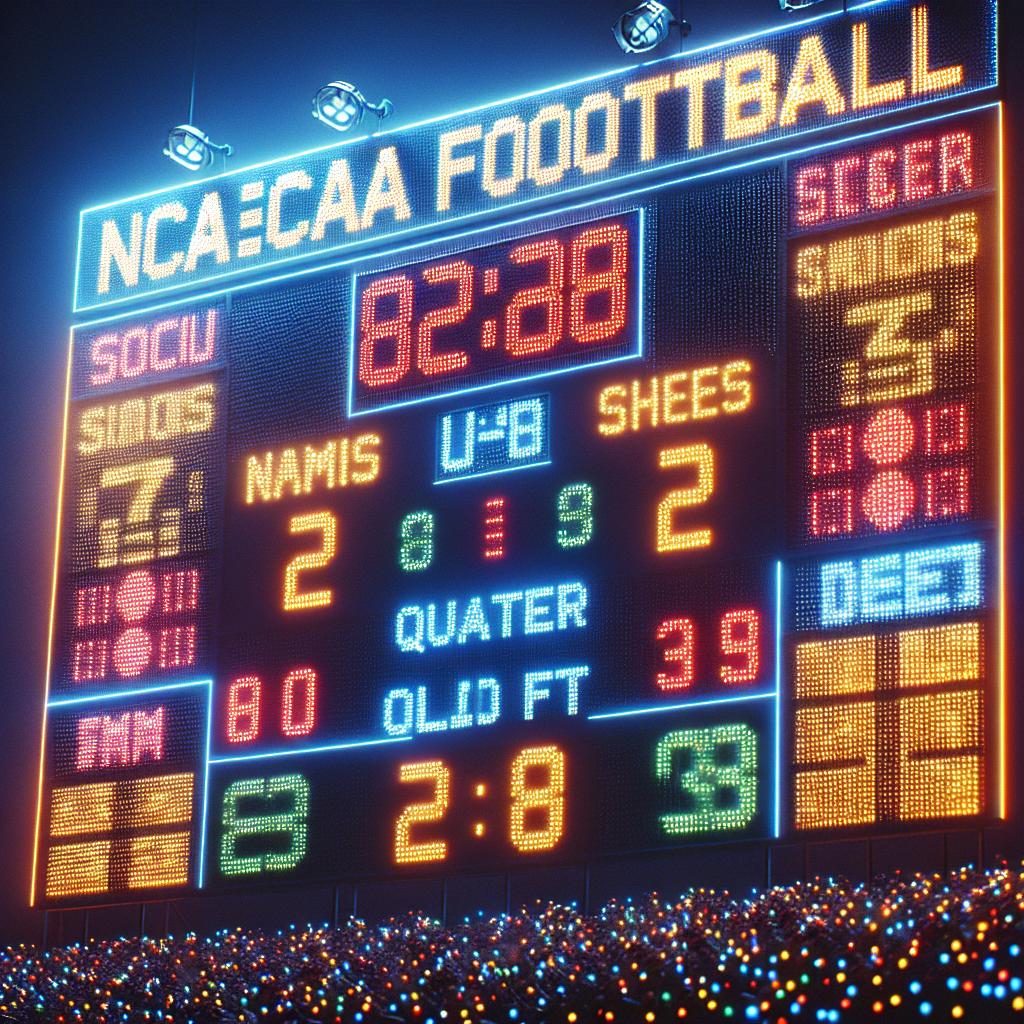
(341, 106)
(646, 27)
(190, 147)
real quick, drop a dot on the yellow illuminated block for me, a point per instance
(940, 654)
(143, 803)
(73, 869)
(827, 667)
(162, 800)
(79, 810)
(937, 780)
(157, 861)
(842, 794)
(163, 416)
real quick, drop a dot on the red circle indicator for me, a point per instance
(136, 596)
(889, 500)
(133, 651)
(888, 437)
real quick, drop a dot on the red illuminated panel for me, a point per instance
(494, 528)
(892, 174)
(138, 624)
(890, 469)
(540, 304)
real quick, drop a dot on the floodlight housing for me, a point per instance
(646, 26)
(341, 106)
(192, 148)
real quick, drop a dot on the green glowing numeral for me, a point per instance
(575, 515)
(416, 541)
(288, 791)
(716, 771)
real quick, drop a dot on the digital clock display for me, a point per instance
(541, 304)
(668, 518)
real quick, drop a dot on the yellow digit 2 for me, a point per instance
(701, 458)
(326, 525)
(407, 851)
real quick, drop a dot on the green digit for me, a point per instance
(291, 791)
(716, 770)
(575, 515)
(416, 541)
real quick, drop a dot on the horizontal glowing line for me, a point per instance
(686, 706)
(610, 73)
(323, 268)
(491, 472)
(122, 694)
(309, 750)
(497, 384)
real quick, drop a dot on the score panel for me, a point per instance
(672, 518)
(644, 782)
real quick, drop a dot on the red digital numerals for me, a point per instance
(730, 654)
(247, 711)
(463, 315)
(896, 468)
(142, 623)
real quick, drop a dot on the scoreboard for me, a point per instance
(609, 470)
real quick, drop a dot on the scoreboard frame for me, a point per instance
(790, 552)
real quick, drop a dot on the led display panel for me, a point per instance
(666, 515)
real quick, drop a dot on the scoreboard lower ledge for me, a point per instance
(668, 518)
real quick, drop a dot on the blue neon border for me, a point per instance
(641, 260)
(992, 81)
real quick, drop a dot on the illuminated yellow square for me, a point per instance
(73, 869)
(940, 654)
(834, 797)
(842, 741)
(938, 779)
(824, 735)
(161, 800)
(79, 810)
(156, 861)
(827, 667)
